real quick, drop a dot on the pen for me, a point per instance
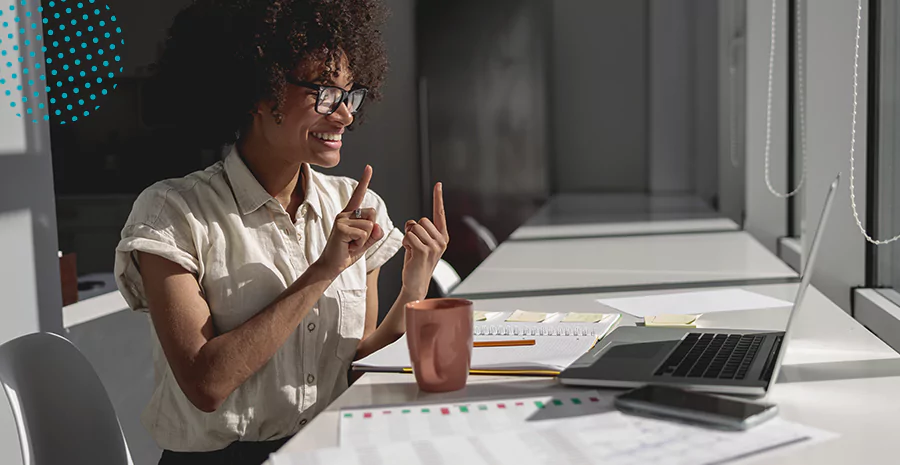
(513, 343)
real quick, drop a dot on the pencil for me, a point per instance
(513, 343)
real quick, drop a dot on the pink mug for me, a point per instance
(439, 334)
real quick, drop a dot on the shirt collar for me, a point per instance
(250, 195)
(311, 196)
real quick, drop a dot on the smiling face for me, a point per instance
(304, 135)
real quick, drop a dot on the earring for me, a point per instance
(279, 118)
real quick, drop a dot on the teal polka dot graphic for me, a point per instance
(68, 51)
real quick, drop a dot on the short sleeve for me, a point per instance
(387, 247)
(158, 225)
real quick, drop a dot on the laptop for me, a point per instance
(710, 360)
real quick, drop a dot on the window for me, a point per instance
(885, 271)
(797, 160)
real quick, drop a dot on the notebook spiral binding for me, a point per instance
(535, 330)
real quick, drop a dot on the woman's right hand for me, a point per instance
(351, 237)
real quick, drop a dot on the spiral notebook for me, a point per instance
(557, 345)
(554, 324)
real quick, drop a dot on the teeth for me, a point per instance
(323, 136)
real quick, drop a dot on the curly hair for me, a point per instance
(223, 57)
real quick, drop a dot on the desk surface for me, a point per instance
(621, 262)
(837, 376)
(621, 226)
(565, 206)
(593, 215)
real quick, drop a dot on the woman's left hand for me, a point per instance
(425, 242)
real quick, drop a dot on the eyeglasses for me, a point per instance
(331, 97)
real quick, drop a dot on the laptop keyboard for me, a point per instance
(709, 355)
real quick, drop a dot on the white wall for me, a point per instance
(598, 96)
(20, 314)
(766, 214)
(29, 266)
(831, 26)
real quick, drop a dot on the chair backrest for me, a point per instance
(484, 234)
(61, 409)
(445, 276)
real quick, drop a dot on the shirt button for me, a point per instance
(303, 422)
(310, 379)
(311, 327)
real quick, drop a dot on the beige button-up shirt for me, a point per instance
(240, 243)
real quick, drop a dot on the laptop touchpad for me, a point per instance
(643, 350)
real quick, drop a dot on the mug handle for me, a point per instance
(428, 349)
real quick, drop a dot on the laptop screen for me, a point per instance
(807, 271)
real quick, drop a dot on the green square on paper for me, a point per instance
(406, 410)
(425, 410)
(557, 402)
(576, 400)
(464, 409)
(482, 407)
(539, 404)
(348, 415)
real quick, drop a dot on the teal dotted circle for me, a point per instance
(76, 32)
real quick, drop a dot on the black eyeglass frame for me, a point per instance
(319, 88)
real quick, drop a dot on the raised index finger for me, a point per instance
(440, 218)
(360, 193)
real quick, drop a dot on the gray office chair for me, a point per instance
(446, 277)
(61, 410)
(487, 238)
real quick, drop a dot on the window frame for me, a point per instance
(877, 306)
(795, 130)
(885, 79)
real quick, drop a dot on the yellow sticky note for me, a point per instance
(583, 317)
(520, 316)
(479, 316)
(671, 320)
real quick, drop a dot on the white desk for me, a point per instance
(578, 205)
(619, 226)
(597, 264)
(837, 376)
(596, 215)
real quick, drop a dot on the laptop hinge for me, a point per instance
(769, 367)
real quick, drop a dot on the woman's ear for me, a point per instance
(267, 109)
(277, 115)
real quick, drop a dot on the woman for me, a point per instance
(260, 274)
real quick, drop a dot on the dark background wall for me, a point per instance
(485, 78)
(599, 79)
(683, 74)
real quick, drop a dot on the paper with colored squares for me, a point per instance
(380, 425)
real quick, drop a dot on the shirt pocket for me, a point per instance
(351, 321)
